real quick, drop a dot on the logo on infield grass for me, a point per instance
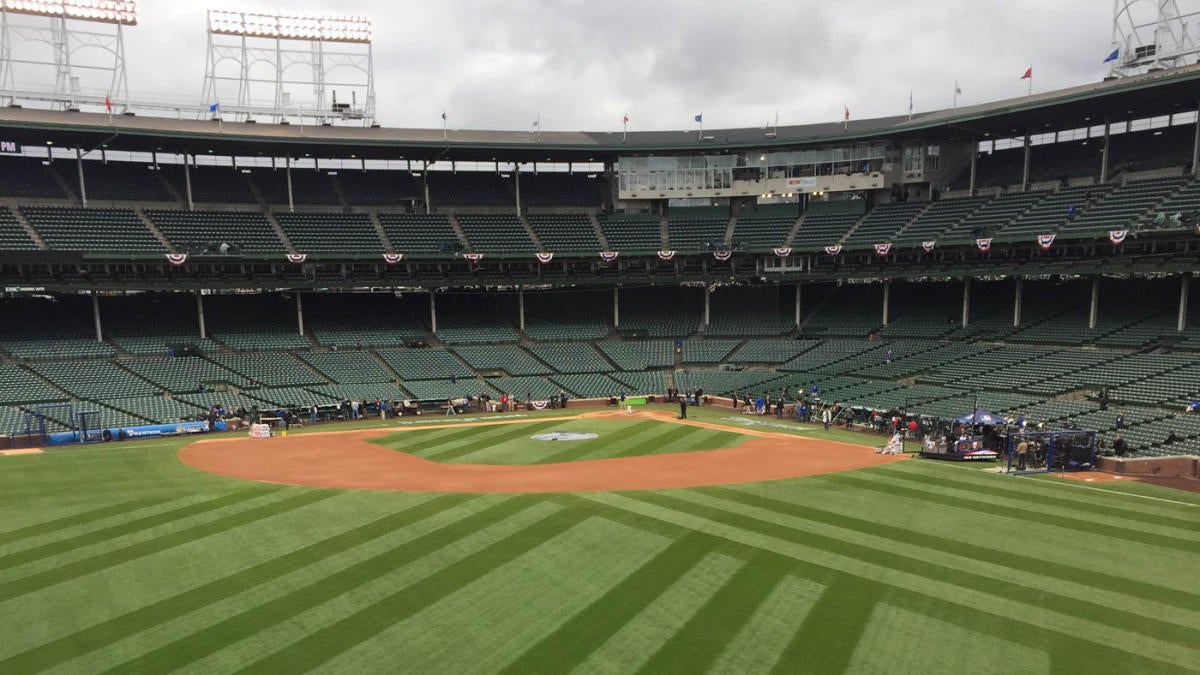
(564, 436)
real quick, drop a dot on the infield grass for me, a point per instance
(119, 558)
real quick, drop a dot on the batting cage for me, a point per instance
(1043, 451)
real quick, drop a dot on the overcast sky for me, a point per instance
(582, 64)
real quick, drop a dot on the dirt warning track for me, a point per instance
(347, 460)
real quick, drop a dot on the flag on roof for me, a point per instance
(957, 89)
(214, 107)
(1113, 56)
(700, 117)
(626, 120)
(107, 104)
(1028, 74)
(443, 115)
(847, 111)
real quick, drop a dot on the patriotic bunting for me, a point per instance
(928, 246)
(473, 257)
(722, 255)
(177, 259)
(984, 244)
(609, 256)
(1117, 237)
(392, 258)
(666, 255)
(540, 405)
(833, 250)
(883, 249)
(297, 258)
(1045, 241)
(782, 252)
(544, 258)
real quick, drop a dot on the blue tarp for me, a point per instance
(980, 417)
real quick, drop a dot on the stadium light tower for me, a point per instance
(73, 31)
(1153, 35)
(252, 52)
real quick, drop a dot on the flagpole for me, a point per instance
(1031, 83)
(955, 106)
(443, 124)
(701, 136)
(910, 105)
(624, 127)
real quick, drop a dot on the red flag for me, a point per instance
(626, 120)
(107, 104)
(847, 112)
(1028, 74)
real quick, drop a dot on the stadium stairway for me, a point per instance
(141, 214)
(458, 231)
(604, 245)
(287, 243)
(533, 236)
(795, 230)
(24, 223)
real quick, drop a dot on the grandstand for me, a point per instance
(749, 281)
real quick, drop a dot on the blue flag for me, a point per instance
(700, 117)
(1113, 55)
(443, 115)
(214, 107)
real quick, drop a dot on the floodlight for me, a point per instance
(122, 12)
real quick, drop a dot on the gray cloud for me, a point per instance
(582, 65)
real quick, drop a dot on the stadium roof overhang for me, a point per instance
(1150, 95)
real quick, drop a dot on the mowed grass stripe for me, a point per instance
(602, 446)
(956, 576)
(128, 527)
(1025, 624)
(1026, 494)
(637, 641)
(322, 645)
(79, 568)
(1017, 562)
(422, 442)
(129, 624)
(491, 436)
(827, 637)
(575, 640)
(698, 644)
(255, 619)
(762, 639)
(78, 519)
(1020, 513)
(644, 444)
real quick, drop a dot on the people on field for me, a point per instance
(683, 407)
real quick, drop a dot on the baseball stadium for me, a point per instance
(284, 389)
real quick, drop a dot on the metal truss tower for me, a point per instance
(1153, 35)
(255, 59)
(86, 55)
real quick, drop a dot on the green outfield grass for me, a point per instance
(511, 443)
(120, 559)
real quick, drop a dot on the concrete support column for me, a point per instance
(798, 286)
(616, 309)
(521, 308)
(1104, 154)
(887, 299)
(1094, 309)
(966, 312)
(1017, 304)
(1025, 171)
(974, 157)
(707, 307)
(288, 170)
(517, 186)
(187, 182)
(79, 169)
(425, 183)
(96, 317)
(432, 312)
(200, 316)
(299, 313)
(1184, 283)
